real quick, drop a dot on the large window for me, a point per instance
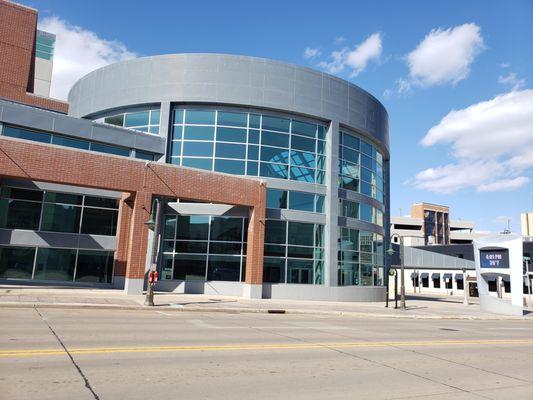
(294, 252)
(248, 144)
(54, 264)
(143, 121)
(57, 212)
(361, 258)
(293, 200)
(45, 137)
(360, 166)
(204, 248)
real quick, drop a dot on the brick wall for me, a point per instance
(140, 181)
(18, 26)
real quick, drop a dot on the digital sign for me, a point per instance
(494, 258)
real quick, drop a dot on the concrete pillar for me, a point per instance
(137, 244)
(164, 127)
(123, 233)
(253, 287)
(331, 205)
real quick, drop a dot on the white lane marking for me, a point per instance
(206, 325)
(164, 313)
(511, 329)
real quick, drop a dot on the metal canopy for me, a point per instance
(435, 275)
(424, 275)
(458, 277)
(200, 208)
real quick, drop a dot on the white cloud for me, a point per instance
(355, 60)
(311, 52)
(505, 65)
(445, 56)
(340, 39)
(503, 184)
(491, 142)
(512, 80)
(77, 52)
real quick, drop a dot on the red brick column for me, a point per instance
(123, 233)
(256, 240)
(138, 236)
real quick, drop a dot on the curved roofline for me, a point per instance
(301, 67)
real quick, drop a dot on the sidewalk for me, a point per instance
(426, 307)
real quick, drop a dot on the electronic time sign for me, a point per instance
(494, 258)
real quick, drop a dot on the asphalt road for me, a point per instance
(104, 354)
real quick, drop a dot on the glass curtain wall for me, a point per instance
(204, 247)
(248, 144)
(53, 264)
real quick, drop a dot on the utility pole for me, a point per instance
(152, 274)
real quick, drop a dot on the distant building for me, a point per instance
(526, 221)
(44, 61)
(430, 224)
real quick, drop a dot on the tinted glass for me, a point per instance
(66, 198)
(303, 159)
(103, 148)
(275, 231)
(55, 264)
(26, 134)
(198, 149)
(141, 155)
(299, 271)
(230, 166)
(276, 124)
(200, 163)
(101, 202)
(304, 128)
(194, 227)
(276, 198)
(274, 170)
(301, 201)
(199, 132)
(67, 142)
(273, 154)
(302, 174)
(117, 120)
(94, 266)
(16, 262)
(190, 267)
(136, 119)
(154, 117)
(226, 150)
(232, 119)
(61, 218)
(177, 132)
(226, 229)
(200, 117)
(224, 268)
(19, 214)
(178, 116)
(255, 121)
(350, 141)
(301, 143)
(99, 221)
(275, 139)
(301, 233)
(274, 270)
(231, 135)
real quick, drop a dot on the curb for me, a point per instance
(242, 310)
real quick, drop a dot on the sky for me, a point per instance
(455, 76)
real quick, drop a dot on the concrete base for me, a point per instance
(119, 282)
(492, 304)
(324, 293)
(252, 291)
(134, 286)
(276, 291)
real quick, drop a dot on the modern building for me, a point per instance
(44, 62)
(526, 224)
(300, 157)
(430, 224)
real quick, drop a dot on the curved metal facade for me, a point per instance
(227, 83)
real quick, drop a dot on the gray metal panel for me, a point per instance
(19, 237)
(33, 118)
(59, 188)
(361, 225)
(230, 79)
(360, 198)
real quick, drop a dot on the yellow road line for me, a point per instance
(19, 353)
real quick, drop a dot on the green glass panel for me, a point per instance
(55, 264)
(200, 117)
(232, 119)
(16, 262)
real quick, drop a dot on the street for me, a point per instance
(111, 354)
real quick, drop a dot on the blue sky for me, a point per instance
(482, 67)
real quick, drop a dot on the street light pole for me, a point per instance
(149, 300)
(402, 276)
(390, 252)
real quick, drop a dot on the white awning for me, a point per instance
(183, 208)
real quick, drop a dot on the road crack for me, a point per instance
(83, 376)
